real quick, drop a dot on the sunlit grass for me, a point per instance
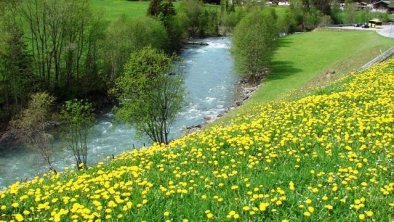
(302, 60)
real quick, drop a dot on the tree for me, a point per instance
(62, 36)
(32, 125)
(16, 79)
(350, 11)
(306, 13)
(193, 9)
(323, 6)
(78, 118)
(167, 9)
(336, 12)
(254, 42)
(125, 36)
(154, 7)
(17, 73)
(150, 94)
(174, 25)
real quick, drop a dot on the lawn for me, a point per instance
(304, 58)
(113, 9)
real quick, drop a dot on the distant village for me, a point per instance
(373, 6)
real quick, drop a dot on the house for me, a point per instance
(390, 9)
(381, 6)
(361, 5)
(375, 23)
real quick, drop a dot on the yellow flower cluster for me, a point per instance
(324, 157)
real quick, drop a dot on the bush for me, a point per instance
(150, 94)
(287, 22)
(129, 35)
(208, 23)
(200, 22)
(32, 125)
(78, 118)
(254, 42)
(230, 19)
(325, 20)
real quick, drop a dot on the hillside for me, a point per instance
(324, 157)
(303, 60)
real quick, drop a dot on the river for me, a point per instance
(210, 82)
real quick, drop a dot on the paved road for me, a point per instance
(387, 30)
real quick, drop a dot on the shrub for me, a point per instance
(254, 42)
(78, 119)
(129, 35)
(150, 94)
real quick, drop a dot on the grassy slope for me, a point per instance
(302, 58)
(325, 157)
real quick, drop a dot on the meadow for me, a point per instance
(113, 9)
(323, 157)
(302, 61)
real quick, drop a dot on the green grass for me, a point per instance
(113, 9)
(391, 17)
(303, 59)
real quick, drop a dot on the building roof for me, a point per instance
(381, 2)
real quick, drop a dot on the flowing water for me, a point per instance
(210, 82)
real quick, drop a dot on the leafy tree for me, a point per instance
(350, 12)
(193, 10)
(230, 18)
(324, 6)
(287, 22)
(16, 79)
(174, 25)
(125, 36)
(336, 12)
(306, 14)
(154, 7)
(78, 119)
(254, 42)
(150, 94)
(176, 28)
(167, 9)
(17, 73)
(32, 125)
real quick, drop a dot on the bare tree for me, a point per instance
(32, 126)
(63, 36)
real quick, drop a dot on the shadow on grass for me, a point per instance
(281, 70)
(283, 42)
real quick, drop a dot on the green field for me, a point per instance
(303, 58)
(113, 9)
